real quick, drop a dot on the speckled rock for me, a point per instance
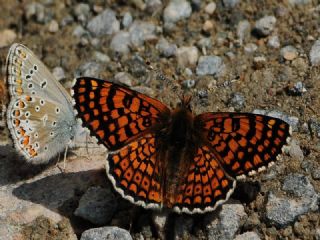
(274, 42)
(97, 205)
(247, 236)
(243, 30)
(210, 65)
(175, 11)
(315, 53)
(141, 32)
(298, 185)
(227, 223)
(105, 23)
(120, 43)
(165, 48)
(237, 101)
(88, 69)
(289, 53)
(123, 78)
(187, 56)
(127, 19)
(106, 233)
(264, 26)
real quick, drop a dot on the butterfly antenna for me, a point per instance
(169, 83)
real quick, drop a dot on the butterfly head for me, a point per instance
(185, 102)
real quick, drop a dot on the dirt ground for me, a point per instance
(263, 86)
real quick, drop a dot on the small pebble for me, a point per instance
(59, 74)
(230, 3)
(243, 31)
(140, 32)
(315, 54)
(264, 26)
(187, 56)
(123, 78)
(237, 101)
(7, 37)
(210, 65)
(153, 5)
(299, 2)
(189, 83)
(210, 8)
(105, 23)
(37, 10)
(295, 151)
(207, 26)
(247, 236)
(106, 233)
(259, 62)
(82, 12)
(274, 42)
(53, 26)
(79, 31)
(165, 48)
(87, 69)
(175, 11)
(127, 19)
(250, 48)
(120, 43)
(297, 89)
(289, 53)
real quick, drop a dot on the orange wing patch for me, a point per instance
(115, 114)
(135, 173)
(243, 142)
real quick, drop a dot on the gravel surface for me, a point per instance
(231, 55)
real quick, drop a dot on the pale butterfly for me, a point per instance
(40, 116)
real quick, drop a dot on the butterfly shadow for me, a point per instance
(61, 192)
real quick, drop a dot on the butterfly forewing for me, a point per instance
(115, 114)
(244, 143)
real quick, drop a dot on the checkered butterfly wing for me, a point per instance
(242, 142)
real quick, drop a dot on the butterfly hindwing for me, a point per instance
(115, 114)
(39, 115)
(134, 172)
(244, 143)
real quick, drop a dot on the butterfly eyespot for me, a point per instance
(33, 92)
(51, 134)
(36, 135)
(54, 123)
(42, 102)
(35, 67)
(31, 72)
(28, 77)
(27, 114)
(43, 84)
(30, 85)
(46, 148)
(27, 121)
(37, 108)
(57, 110)
(36, 145)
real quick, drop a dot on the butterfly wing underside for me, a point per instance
(242, 142)
(40, 115)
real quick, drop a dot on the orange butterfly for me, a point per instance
(172, 158)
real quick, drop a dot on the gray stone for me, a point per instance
(230, 3)
(105, 23)
(250, 48)
(297, 89)
(190, 83)
(243, 30)
(314, 127)
(298, 185)
(53, 26)
(106, 233)
(82, 12)
(295, 151)
(101, 57)
(227, 223)
(88, 69)
(141, 32)
(127, 19)
(187, 56)
(175, 11)
(315, 53)
(123, 78)
(299, 2)
(274, 42)
(59, 74)
(120, 42)
(153, 5)
(315, 172)
(237, 101)
(204, 43)
(210, 65)
(79, 31)
(165, 48)
(289, 53)
(283, 211)
(97, 205)
(291, 120)
(66, 20)
(35, 10)
(264, 26)
(247, 236)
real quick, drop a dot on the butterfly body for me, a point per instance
(171, 158)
